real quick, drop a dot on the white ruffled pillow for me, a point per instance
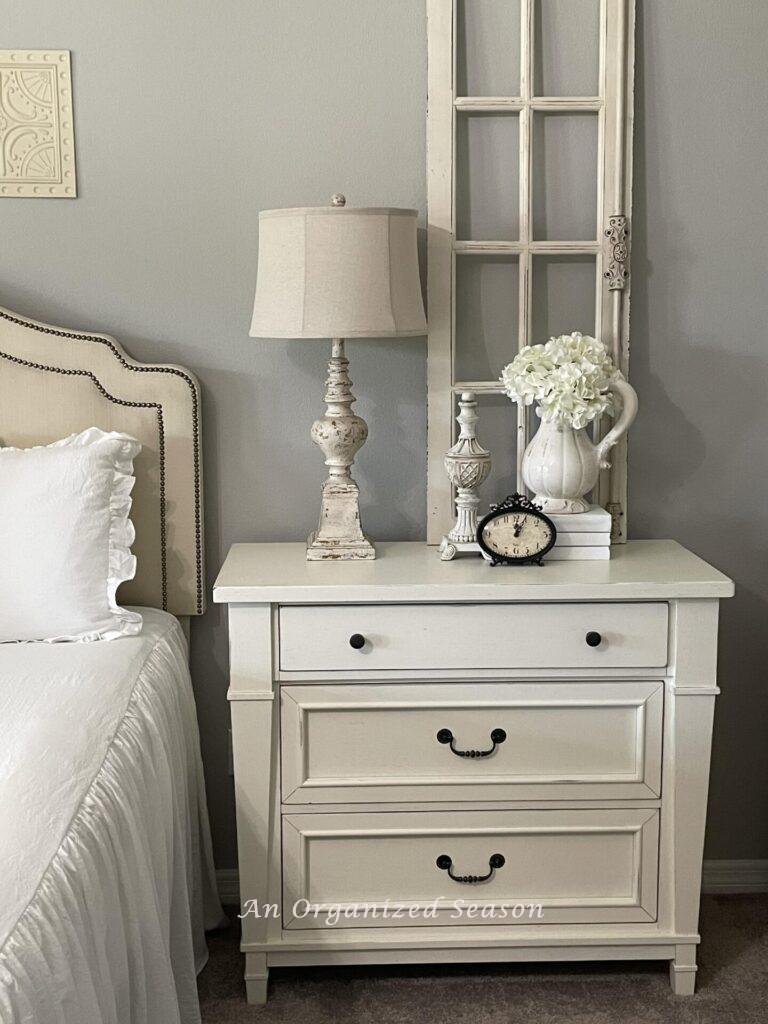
(65, 538)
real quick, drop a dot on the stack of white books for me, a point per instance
(582, 536)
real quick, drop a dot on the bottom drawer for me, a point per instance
(383, 870)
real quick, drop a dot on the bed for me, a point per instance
(106, 872)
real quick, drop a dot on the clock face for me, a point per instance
(518, 535)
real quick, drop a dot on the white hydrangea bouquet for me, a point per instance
(573, 381)
(568, 378)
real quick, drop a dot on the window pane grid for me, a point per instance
(612, 55)
(524, 106)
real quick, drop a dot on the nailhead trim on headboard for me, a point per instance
(160, 429)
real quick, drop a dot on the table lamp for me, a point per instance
(336, 272)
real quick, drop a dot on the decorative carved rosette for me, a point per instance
(617, 253)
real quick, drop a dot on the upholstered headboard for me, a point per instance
(55, 382)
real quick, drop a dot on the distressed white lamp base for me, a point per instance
(339, 536)
(338, 551)
(339, 434)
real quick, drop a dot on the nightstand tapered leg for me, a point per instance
(682, 971)
(256, 978)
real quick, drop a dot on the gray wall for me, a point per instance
(191, 116)
(699, 459)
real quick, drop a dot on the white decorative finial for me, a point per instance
(468, 465)
(337, 199)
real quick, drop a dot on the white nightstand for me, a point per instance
(359, 690)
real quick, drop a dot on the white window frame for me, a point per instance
(614, 107)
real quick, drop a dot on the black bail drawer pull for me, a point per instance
(445, 863)
(446, 736)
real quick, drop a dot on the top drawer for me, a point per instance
(327, 638)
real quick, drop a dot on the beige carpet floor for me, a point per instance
(732, 986)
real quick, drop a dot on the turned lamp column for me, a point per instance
(335, 272)
(339, 435)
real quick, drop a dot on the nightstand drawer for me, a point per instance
(532, 741)
(366, 638)
(581, 866)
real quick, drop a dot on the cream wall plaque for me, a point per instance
(37, 140)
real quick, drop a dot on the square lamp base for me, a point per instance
(339, 536)
(319, 550)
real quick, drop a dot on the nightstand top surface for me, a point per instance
(413, 571)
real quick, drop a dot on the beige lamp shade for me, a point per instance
(338, 272)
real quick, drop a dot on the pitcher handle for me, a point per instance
(628, 399)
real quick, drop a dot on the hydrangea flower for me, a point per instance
(568, 378)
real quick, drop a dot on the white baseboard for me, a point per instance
(719, 876)
(734, 876)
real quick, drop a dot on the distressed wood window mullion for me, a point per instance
(525, 269)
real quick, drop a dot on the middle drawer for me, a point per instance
(410, 742)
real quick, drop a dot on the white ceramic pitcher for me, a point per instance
(561, 464)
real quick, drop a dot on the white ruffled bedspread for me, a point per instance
(106, 872)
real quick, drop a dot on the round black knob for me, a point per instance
(357, 640)
(593, 639)
(498, 736)
(496, 861)
(444, 862)
(444, 736)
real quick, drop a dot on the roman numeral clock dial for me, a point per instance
(516, 532)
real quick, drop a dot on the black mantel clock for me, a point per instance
(516, 532)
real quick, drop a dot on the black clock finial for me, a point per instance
(515, 501)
